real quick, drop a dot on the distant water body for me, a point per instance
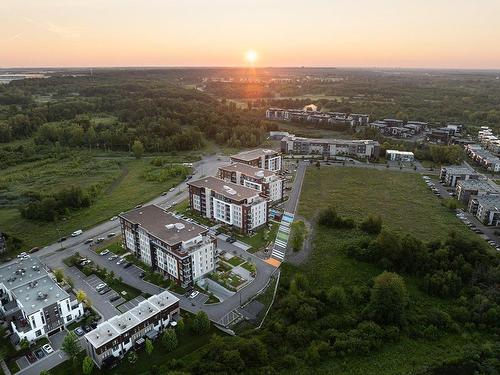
(8, 77)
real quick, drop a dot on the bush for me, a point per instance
(372, 224)
(329, 218)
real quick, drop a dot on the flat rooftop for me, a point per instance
(117, 325)
(459, 169)
(473, 184)
(255, 154)
(38, 294)
(491, 202)
(247, 170)
(345, 142)
(227, 189)
(399, 152)
(164, 225)
(19, 272)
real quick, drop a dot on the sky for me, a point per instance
(352, 33)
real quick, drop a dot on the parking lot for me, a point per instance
(55, 341)
(113, 297)
(483, 231)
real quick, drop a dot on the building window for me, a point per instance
(38, 333)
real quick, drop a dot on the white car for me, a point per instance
(47, 349)
(104, 252)
(100, 286)
(194, 294)
(171, 189)
(76, 233)
(114, 218)
(120, 261)
(113, 257)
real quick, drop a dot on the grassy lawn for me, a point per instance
(114, 245)
(261, 237)
(235, 261)
(123, 186)
(406, 205)
(248, 266)
(402, 200)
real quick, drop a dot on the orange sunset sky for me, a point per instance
(357, 33)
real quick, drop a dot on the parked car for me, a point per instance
(104, 290)
(114, 298)
(127, 265)
(90, 240)
(138, 206)
(194, 294)
(99, 240)
(232, 240)
(100, 286)
(87, 328)
(47, 349)
(79, 331)
(34, 250)
(62, 239)
(113, 257)
(23, 254)
(104, 252)
(76, 233)
(142, 274)
(112, 234)
(171, 189)
(164, 193)
(120, 261)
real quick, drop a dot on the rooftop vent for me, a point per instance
(170, 226)
(259, 173)
(179, 226)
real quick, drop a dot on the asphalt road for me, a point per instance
(293, 199)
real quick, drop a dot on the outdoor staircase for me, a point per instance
(282, 236)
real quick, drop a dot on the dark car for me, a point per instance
(127, 265)
(93, 325)
(228, 239)
(87, 328)
(114, 298)
(62, 239)
(90, 240)
(142, 274)
(39, 353)
(104, 290)
(31, 357)
(112, 234)
(232, 240)
(34, 250)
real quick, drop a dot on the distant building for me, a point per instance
(468, 188)
(395, 155)
(311, 114)
(259, 158)
(486, 208)
(450, 175)
(267, 182)
(32, 302)
(221, 201)
(181, 250)
(483, 157)
(113, 338)
(330, 147)
(440, 136)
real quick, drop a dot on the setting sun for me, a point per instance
(251, 56)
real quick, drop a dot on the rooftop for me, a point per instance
(19, 272)
(247, 170)
(473, 184)
(459, 169)
(119, 324)
(335, 141)
(227, 189)
(489, 202)
(254, 154)
(399, 152)
(164, 225)
(37, 294)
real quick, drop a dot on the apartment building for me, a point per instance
(330, 147)
(486, 208)
(242, 207)
(179, 249)
(404, 156)
(483, 157)
(268, 183)
(468, 188)
(32, 302)
(310, 113)
(259, 158)
(450, 175)
(113, 338)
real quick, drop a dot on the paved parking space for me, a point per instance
(135, 271)
(94, 280)
(56, 340)
(131, 304)
(229, 318)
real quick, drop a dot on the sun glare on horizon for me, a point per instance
(251, 56)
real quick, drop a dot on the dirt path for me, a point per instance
(298, 257)
(118, 181)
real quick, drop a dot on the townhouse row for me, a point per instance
(32, 302)
(310, 114)
(112, 339)
(398, 128)
(483, 157)
(330, 147)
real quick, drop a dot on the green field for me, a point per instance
(406, 206)
(121, 185)
(402, 200)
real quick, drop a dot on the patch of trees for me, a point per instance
(329, 218)
(51, 207)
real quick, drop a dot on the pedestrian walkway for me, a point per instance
(282, 237)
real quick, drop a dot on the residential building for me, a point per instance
(260, 158)
(486, 208)
(179, 249)
(450, 175)
(226, 202)
(113, 338)
(310, 113)
(277, 114)
(32, 302)
(483, 157)
(404, 156)
(440, 136)
(330, 147)
(468, 188)
(268, 183)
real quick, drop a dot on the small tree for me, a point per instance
(201, 323)
(180, 327)
(71, 346)
(81, 296)
(132, 357)
(138, 149)
(24, 344)
(59, 274)
(169, 340)
(372, 224)
(87, 366)
(149, 346)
